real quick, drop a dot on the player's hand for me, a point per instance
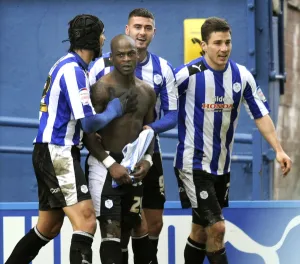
(98, 137)
(141, 170)
(129, 102)
(120, 174)
(284, 161)
(146, 127)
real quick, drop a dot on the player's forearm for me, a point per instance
(167, 122)
(266, 127)
(96, 122)
(93, 145)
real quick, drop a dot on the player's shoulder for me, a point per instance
(193, 67)
(66, 62)
(105, 79)
(69, 64)
(144, 86)
(141, 83)
(100, 89)
(237, 68)
(160, 61)
(157, 58)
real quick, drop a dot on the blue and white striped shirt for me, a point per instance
(65, 100)
(209, 106)
(156, 72)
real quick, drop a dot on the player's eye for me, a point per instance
(131, 53)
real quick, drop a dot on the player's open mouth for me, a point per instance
(223, 58)
(142, 40)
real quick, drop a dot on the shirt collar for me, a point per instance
(80, 61)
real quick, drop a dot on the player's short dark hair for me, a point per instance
(213, 24)
(140, 12)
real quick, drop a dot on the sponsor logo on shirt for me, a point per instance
(217, 105)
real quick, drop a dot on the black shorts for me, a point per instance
(60, 178)
(206, 193)
(122, 203)
(154, 188)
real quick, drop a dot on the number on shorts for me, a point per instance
(135, 208)
(161, 184)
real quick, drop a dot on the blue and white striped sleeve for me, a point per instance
(97, 70)
(182, 79)
(169, 93)
(75, 86)
(253, 98)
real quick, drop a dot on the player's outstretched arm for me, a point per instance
(169, 104)
(266, 127)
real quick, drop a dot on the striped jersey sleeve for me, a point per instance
(182, 79)
(253, 98)
(74, 85)
(168, 93)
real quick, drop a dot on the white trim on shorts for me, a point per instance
(97, 177)
(187, 178)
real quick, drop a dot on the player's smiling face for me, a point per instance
(217, 49)
(142, 30)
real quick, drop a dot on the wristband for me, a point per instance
(148, 157)
(108, 161)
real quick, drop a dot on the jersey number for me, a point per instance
(136, 207)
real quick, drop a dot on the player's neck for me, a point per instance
(213, 65)
(86, 55)
(126, 80)
(142, 55)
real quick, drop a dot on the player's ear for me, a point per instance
(154, 33)
(203, 46)
(127, 30)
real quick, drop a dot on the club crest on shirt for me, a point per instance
(157, 79)
(84, 96)
(261, 95)
(236, 87)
